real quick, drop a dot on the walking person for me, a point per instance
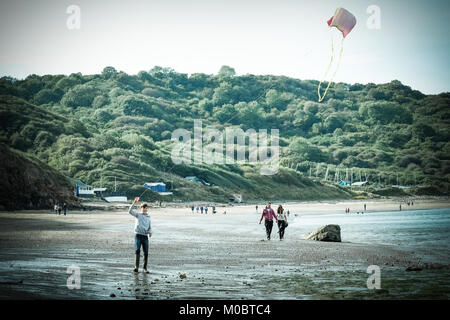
(197, 210)
(192, 209)
(59, 210)
(206, 210)
(201, 210)
(65, 208)
(282, 221)
(143, 231)
(268, 214)
(56, 208)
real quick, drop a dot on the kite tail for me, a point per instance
(328, 69)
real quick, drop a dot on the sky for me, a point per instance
(279, 37)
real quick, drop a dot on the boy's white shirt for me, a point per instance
(142, 223)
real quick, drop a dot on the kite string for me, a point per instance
(143, 192)
(328, 69)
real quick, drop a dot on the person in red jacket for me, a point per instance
(268, 214)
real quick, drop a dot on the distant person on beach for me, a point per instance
(196, 209)
(282, 221)
(256, 208)
(142, 230)
(56, 208)
(201, 209)
(364, 207)
(400, 207)
(268, 214)
(192, 209)
(65, 208)
(59, 210)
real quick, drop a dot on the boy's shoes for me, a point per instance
(136, 265)
(145, 264)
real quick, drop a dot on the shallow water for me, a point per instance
(425, 231)
(45, 278)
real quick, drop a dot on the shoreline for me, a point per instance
(419, 204)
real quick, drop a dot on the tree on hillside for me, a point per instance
(226, 71)
(138, 105)
(306, 151)
(384, 112)
(108, 72)
(81, 95)
(277, 100)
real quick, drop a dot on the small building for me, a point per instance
(197, 180)
(156, 186)
(83, 190)
(345, 183)
(99, 191)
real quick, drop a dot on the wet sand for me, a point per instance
(224, 256)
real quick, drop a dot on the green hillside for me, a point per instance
(98, 128)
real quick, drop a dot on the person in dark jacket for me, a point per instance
(268, 214)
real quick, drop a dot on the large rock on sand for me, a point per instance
(330, 232)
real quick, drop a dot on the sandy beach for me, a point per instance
(219, 256)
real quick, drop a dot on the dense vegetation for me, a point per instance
(98, 128)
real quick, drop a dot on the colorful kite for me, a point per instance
(344, 21)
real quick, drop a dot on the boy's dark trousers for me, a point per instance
(269, 225)
(140, 240)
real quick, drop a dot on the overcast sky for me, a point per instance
(279, 37)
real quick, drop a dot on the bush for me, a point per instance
(79, 96)
(137, 106)
(100, 101)
(48, 96)
(306, 151)
(102, 116)
(406, 160)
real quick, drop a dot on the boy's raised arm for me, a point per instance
(131, 211)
